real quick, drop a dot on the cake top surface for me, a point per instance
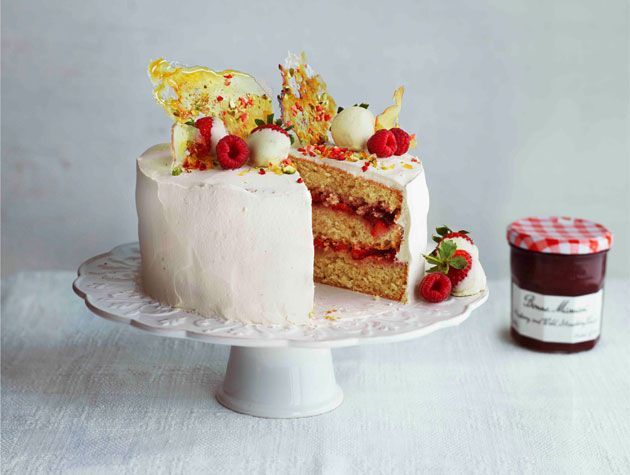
(224, 121)
(396, 172)
(155, 163)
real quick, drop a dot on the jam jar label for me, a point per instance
(554, 318)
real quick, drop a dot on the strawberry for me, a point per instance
(379, 228)
(382, 144)
(444, 232)
(403, 139)
(435, 287)
(276, 125)
(455, 274)
(341, 206)
(459, 234)
(358, 253)
(447, 259)
(232, 152)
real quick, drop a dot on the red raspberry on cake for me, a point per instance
(205, 127)
(403, 139)
(435, 287)
(382, 144)
(232, 152)
(211, 131)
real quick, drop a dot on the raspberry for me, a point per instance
(232, 152)
(275, 127)
(402, 141)
(435, 287)
(457, 275)
(205, 128)
(382, 144)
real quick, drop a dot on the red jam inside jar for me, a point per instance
(558, 267)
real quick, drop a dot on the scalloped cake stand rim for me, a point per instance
(274, 342)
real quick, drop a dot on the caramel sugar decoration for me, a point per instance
(389, 117)
(187, 93)
(305, 102)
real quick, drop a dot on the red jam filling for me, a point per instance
(376, 217)
(357, 253)
(561, 275)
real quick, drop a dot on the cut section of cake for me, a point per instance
(369, 196)
(369, 223)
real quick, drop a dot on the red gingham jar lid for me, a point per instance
(559, 235)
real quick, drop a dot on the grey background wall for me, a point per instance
(521, 108)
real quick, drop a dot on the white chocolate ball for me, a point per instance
(352, 128)
(268, 146)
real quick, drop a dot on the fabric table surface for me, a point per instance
(84, 395)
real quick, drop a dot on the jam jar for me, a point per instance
(558, 266)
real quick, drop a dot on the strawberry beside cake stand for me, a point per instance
(276, 371)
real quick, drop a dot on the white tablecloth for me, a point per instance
(80, 394)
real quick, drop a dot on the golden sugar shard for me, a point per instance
(187, 93)
(388, 119)
(305, 102)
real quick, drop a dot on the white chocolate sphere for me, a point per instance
(352, 128)
(268, 146)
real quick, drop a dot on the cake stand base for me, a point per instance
(280, 382)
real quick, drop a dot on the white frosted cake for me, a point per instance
(241, 213)
(223, 244)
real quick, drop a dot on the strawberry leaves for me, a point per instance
(279, 123)
(445, 258)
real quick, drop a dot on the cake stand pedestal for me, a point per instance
(280, 382)
(276, 371)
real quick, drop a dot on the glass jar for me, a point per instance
(558, 266)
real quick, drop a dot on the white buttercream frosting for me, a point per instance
(404, 173)
(227, 242)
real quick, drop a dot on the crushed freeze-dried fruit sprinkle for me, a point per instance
(330, 151)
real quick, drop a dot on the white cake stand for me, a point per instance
(273, 370)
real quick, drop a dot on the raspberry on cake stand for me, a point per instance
(273, 371)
